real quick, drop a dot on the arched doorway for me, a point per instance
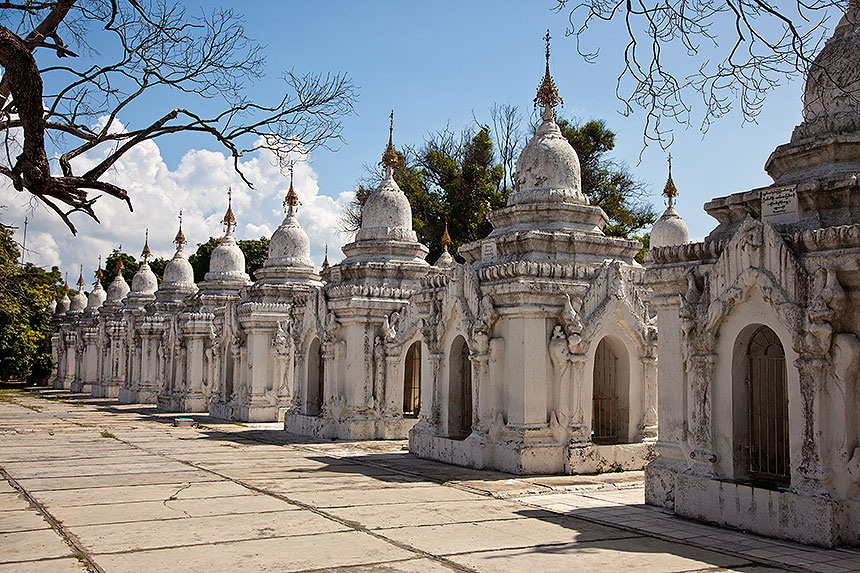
(610, 378)
(459, 390)
(412, 381)
(316, 378)
(768, 408)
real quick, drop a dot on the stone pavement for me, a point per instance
(89, 484)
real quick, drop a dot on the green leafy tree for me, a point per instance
(25, 322)
(255, 251)
(157, 265)
(608, 183)
(129, 267)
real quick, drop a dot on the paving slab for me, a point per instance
(134, 492)
(433, 513)
(641, 554)
(22, 520)
(501, 534)
(203, 530)
(62, 565)
(301, 553)
(32, 545)
(149, 510)
(107, 481)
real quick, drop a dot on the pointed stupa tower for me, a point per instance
(79, 301)
(815, 173)
(64, 302)
(827, 143)
(178, 280)
(547, 203)
(144, 283)
(227, 263)
(118, 288)
(670, 228)
(386, 234)
(446, 259)
(97, 295)
(289, 257)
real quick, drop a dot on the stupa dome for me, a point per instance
(387, 213)
(62, 305)
(52, 307)
(833, 82)
(178, 279)
(548, 168)
(387, 207)
(227, 262)
(289, 245)
(78, 302)
(118, 289)
(178, 270)
(144, 281)
(669, 229)
(97, 296)
(227, 258)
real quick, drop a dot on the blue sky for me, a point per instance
(436, 64)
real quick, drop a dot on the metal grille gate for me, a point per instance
(768, 399)
(412, 381)
(604, 420)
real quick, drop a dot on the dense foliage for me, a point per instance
(25, 292)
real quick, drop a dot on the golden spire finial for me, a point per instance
(229, 221)
(389, 158)
(670, 191)
(146, 253)
(291, 201)
(446, 238)
(99, 274)
(547, 95)
(81, 279)
(325, 264)
(119, 266)
(179, 240)
(66, 284)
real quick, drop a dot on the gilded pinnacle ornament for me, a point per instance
(119, 266)
(389, 158)
(670, 191)
(325, 264)
(99, 274)
(547, 95)
(291, 201)
(81, 279)
(179, 240)
(446, 238)
(229, 221)
(146, 252)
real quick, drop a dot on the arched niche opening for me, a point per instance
(412, 381)
(610, 398)
(459, 390)
(760, 408)
(315, 379)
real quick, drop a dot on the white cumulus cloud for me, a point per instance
(198, 187)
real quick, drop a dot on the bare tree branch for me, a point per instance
(158, 49)
(696, 60)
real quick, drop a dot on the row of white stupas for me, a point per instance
(539, 353)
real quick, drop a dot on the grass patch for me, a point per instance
(106, 434)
